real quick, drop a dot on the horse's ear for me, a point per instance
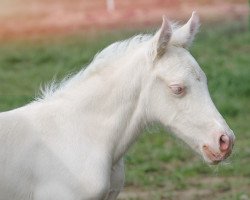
(161, 38)
(184, 35)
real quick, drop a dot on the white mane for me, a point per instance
(113, 51)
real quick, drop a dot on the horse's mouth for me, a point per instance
(214, 157)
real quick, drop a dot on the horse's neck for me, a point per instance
(110, 104)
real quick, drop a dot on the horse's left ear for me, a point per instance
(162, 38)
(184, 35)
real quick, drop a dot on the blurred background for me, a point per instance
(36, 17)
(42, 39)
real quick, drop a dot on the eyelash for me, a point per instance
(177, 89)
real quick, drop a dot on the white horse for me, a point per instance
(69, 144)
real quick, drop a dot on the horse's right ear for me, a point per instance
(161, 38)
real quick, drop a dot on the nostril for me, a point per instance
(224, 142)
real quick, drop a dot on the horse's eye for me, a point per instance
(177, 89)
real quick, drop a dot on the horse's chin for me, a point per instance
(211, 161)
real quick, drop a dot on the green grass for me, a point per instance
(158, 166)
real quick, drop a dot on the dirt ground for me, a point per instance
(25, 18)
